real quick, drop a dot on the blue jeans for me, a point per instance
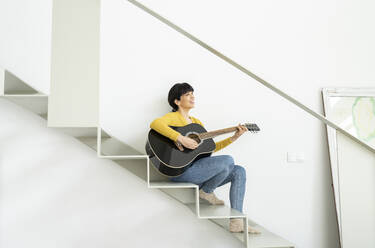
(215, 171)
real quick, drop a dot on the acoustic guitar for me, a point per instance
(172, 159)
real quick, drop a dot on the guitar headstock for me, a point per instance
(252, 127)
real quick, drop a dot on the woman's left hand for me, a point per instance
(240, 130)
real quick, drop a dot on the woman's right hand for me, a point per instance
(187, 142)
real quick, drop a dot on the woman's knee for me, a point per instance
(239, 172)
(227, 159)
(226, 163)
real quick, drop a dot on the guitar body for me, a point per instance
(166, 156)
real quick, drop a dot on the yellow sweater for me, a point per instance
(161, 125)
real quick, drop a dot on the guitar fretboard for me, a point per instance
(212, 134)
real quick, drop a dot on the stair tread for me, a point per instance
(121, 157)
(265, 239)
(172, 185)
(207, 211)
(35, 103)
(25, 95)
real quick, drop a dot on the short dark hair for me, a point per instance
(176, 92)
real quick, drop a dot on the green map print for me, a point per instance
(363, 112)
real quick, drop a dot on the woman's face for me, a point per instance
(187, 100)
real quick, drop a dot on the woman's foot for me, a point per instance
(210, 197)
(236, 225)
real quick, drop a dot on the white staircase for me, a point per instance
(108, 147)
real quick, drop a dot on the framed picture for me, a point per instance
(352, 165)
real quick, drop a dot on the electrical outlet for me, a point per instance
(294, 157)
(300, 157)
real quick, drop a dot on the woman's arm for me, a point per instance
(221, 144)
(161, 125)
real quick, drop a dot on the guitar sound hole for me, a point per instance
(195, 137)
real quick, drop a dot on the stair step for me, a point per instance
(124, 157)
(77, 132)
(208, 211)
(266, 239)
(163, 185)
(25, 94)
(35, 102)
(116, 147)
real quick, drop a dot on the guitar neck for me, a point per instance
(212, 134)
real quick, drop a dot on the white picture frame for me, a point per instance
(329, 95)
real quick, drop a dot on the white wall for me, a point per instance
(75, 63)
(25, 40)
(300, 46)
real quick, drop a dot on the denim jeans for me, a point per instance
(215, 171)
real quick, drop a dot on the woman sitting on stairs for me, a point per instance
(208, 172)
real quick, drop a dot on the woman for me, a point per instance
(208, 172)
